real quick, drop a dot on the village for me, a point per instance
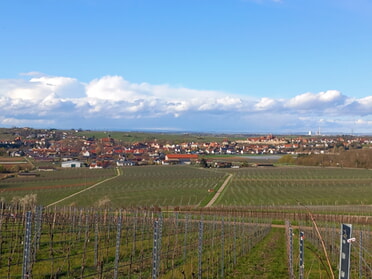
(72, 149)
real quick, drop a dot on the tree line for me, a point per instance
(353, 158)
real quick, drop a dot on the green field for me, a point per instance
(188, 186)
(133, 136)
(290, 185)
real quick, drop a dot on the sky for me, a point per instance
(231, 66)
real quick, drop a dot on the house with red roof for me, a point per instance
(180, 158)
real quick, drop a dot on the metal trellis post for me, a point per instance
(289, 232)
(27, 247)
(345, 245)
(302, 255)
(155, 255)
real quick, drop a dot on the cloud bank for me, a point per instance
(111, 102)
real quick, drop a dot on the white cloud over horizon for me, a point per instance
(112, 102)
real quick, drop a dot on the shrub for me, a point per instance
(287, 159)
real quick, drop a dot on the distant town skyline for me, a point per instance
(238, 66)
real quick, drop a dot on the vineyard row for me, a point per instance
(80, 243)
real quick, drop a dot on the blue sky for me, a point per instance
(266, 66)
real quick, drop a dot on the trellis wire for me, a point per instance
(222, 249)
(234, 244)
(185, 238)
(38, 223)
(160, 235)
(96, 242)
(360, 254)
(200, 250)
(117, 247)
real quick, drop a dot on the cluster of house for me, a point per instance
(73, 150)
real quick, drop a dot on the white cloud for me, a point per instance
(316, 101)
(113, 102)
(266, 104)
(11, 122)
(63, 87)
(21, 89)
(361, 106)
(39, 88)
(112, 88)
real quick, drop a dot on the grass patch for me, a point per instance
(268, 259)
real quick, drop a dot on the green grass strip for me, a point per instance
(268, 259)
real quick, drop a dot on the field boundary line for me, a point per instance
(219, 191)
(118, 173)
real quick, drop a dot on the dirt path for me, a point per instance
(86, 189)
(218, 193)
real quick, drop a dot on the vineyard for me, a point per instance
(322, 242)
(140, 186)
(69, 242)
(52, 186)
(77, 243)
(156, 223)
(289, 186)
(190, 186)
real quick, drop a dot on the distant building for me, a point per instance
(46, 168)
(97, 165)
(180, 158)
(122, 163)
(72, 164)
